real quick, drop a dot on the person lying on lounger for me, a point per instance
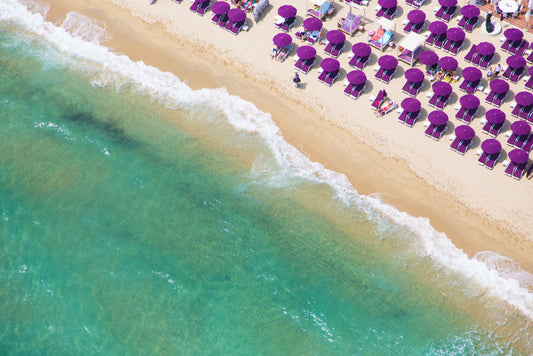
(385, 108)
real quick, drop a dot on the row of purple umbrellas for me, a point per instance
(222, 7)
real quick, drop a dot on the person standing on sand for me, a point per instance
(296, 80)
(490, 74)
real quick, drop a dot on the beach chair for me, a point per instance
(442, 101)
(203, 7)
(516, 74)
(307, 65)
(463, 146)
(429, 130)
(417, 28)
(322, 76)
(430, 40)
(376, 103)
(357, 91)
(331, 77)
(237, 27)
(528, 144)
(529, 83)
(469, 116)
(519, 170)
(287, 24)
(402, 117)
(471, 24)
(490, 97)
(387, 76)
(389, 13)
(194, 6)
(411, 118)
(448, 14)
(439, 40)
(456, 47)
(455, 143)
(415, 88)
(471, 53)
(485, 61)
(337, 49)
(499, 99)
(438, 132)
(460, 114)
(379, 74)
(433, 100)
(491, 160)
(529, 58)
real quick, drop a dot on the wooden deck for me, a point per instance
(519, 22)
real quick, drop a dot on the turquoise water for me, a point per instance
(127, 228)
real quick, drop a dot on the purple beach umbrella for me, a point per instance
(414, 75)
(428, 58)
(442, 88)
(499, 86)
(306, 52)
(513, 34)
(485, 48)
(411, 105)
(330, 64)
(491, 146)
(455, 34)
(237, 15)
(282, 39)
(388, 62)
(516, 61)
(524, 98)
(495, 116)
(361, 49)
(518, 156)
(470, 11)
(336, 36)
(387, 4)
(438, 118)
(447, 3)
(220, 7)
(469, 102)
(312, 24)
(356, 77)
(448, 63)
(520, 128)
(472, 74)
(416, 16)
(464, 132)
(287, 11)
(437, 27)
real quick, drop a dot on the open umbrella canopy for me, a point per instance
(520, 128)
(411, 105)
(438, 118)
(447, 3)
(356, 77)
(469, 102)
(330, 64)
(361, 49)
(491, 146)
(499, 86)
(336, 36)
(428, 58)
(287, 11)
(472, 74)
(414, 75)
(416, 16)
(442, 88)
(282, 39)
(448, 63)
(437, 27)
(312, 24)
(220, 7)
(470, 11)
(387, 4)
(495, 116)
(516, 61)
(306, 52)
(518, 156)
(455, 34)
(485, 48)
(524, 98)
(464, 132)
(388, 62)
(237, 15)
(513, 34)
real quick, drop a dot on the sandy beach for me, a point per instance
(478, 209)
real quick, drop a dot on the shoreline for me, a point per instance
(333, 144)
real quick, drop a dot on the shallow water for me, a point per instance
(136, 223)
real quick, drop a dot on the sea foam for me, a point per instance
(79, 48)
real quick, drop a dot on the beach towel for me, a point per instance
(378, 35)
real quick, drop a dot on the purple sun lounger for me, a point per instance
(307, 65)
(408, 27)
(529, 58)
(402, 117)
(415, 88)
(463, 146)
(498, 99)
(380, 13)
(433, 100)
(438, 132)
(431, 39)
(515, 170)
(489, 161)
(529, 83)
(442, 101)
(460, 114)
(439, 40)
(456, 47)
(389, 13)
(490, 97)
(194, 6)
(448, 13)
(516, 74)
(331, 77)
(379, 99)
(411, 118)
(470, 24)
(387, 76)
(337, 49)
(379, 74)
(492, 129)
(528, 144)
(203, 7)
(485, 61)
(471, 53)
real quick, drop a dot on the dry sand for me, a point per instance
(478, 209)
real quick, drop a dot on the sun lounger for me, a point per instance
(519, 170)
(470, 24)
(387, 75)
(328, 48)
(287, 25)
(463, 146)
(379, 74)
(376, 103)
(415, 88)
(442, 101)
(357, 91)
(516, 74)
(456, 47)
(455, 143)
(509, 169)
(431, 39)
(447, 45)
(525, 113)
(495, 129)
(471, 53)
(433, 100)
(529, 58)
(429, 130)
(528, 144)
(460, 114)
(408, 27)
(402, 117)
(438, 132)
(463, 85)
(529, 83)
(485, 61)
(439, 41)
(307, 65)
(337, 49)
(411, 118)
(389, 13)
(322, 76)
(498, 99)
(380, 13)
(417, 28)
(194, 6)
(491, 160)
(203, 7)
(440, 12)
(469, 116)
(505, 45)
(448, 14)
(406, 87)
(490, 97)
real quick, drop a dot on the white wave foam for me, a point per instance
(107, 68)
(85, 28)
